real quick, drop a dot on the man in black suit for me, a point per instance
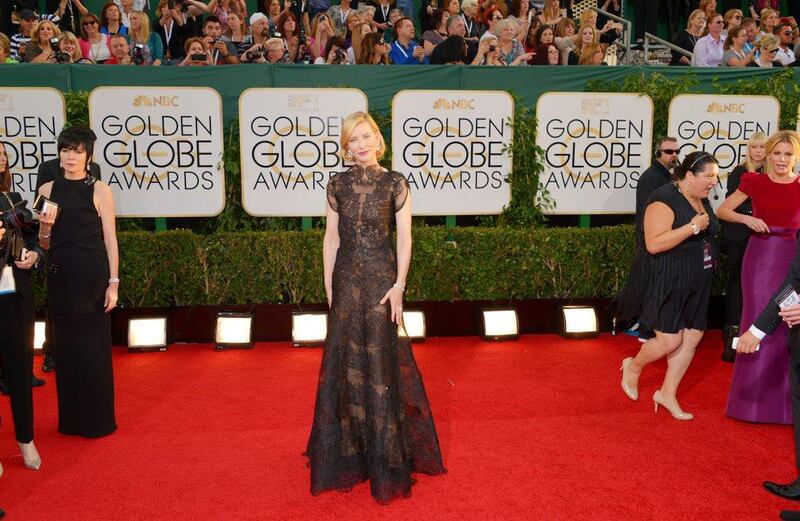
(49, 171)
(766, 323)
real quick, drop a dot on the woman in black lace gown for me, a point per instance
(372, 419)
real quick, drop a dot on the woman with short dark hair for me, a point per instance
(82, 283)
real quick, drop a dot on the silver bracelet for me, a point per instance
(45, 236)
(113, 280)
(398, 286)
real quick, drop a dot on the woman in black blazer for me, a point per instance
(19, 252)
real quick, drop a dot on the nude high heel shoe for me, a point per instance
(30, 455)
(674, 409)
(629, 390)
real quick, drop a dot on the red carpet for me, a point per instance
(534, 429)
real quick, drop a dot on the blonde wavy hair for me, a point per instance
(782, 136)
(350, 123)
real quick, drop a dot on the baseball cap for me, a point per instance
(27, 14)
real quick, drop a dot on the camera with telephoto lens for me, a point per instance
(339, 57)
(59, 55)
(137, 54)
(254, 54)
(17, 217)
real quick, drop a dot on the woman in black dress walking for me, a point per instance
(372, 419)
(82, 284)
(679, 232)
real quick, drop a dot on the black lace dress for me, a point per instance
(372, 419)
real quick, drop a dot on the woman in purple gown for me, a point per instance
(760, 387)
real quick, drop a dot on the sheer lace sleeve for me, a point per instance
(399, 191)
(331, 192)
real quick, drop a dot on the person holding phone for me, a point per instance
(197, 53)
(760, 389)
(21, 252)
(83, 282)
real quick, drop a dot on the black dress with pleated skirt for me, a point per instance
(372, 420)
(77, 279)
(679, 290)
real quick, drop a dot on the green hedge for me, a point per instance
(181, 268)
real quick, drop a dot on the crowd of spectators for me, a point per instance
(380, 32)
(763, 39)
(477, 32)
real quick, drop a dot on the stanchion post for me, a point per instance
(450, 223)
(161, 224)
(585, 221)
(306, 223)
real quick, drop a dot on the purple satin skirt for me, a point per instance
(760, 389)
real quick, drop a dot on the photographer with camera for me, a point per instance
(196, 53)
(69, 50)
(334, 53)
(120, 51)
(322, 32)
(169, 28)
(222, 52)
(77, 226)
(19, 253)
(95, 45)
(252, 49)
(40, 49)
(146, 47)
(488, 51)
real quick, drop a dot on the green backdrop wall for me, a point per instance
(379, 83)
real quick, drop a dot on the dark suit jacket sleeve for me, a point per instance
(648, 183)
(769, 319)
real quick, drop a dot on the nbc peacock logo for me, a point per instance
(728, 108)
(156, 101)
(454, 104)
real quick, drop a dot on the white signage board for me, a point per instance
(721, 125)
(160, 149)
(30, 120)
(290, 147)
(596, 145)
(452, 146)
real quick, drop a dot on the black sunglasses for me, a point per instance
(669, 151)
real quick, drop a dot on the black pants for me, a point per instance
(794, 379)
(16, 350)
(733, 289)
(646, 17)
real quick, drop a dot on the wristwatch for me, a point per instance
(695, 228)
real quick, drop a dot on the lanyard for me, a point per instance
(385, 12)
(168, 31)
(344, 15)
(400, 48)
(468, 25)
